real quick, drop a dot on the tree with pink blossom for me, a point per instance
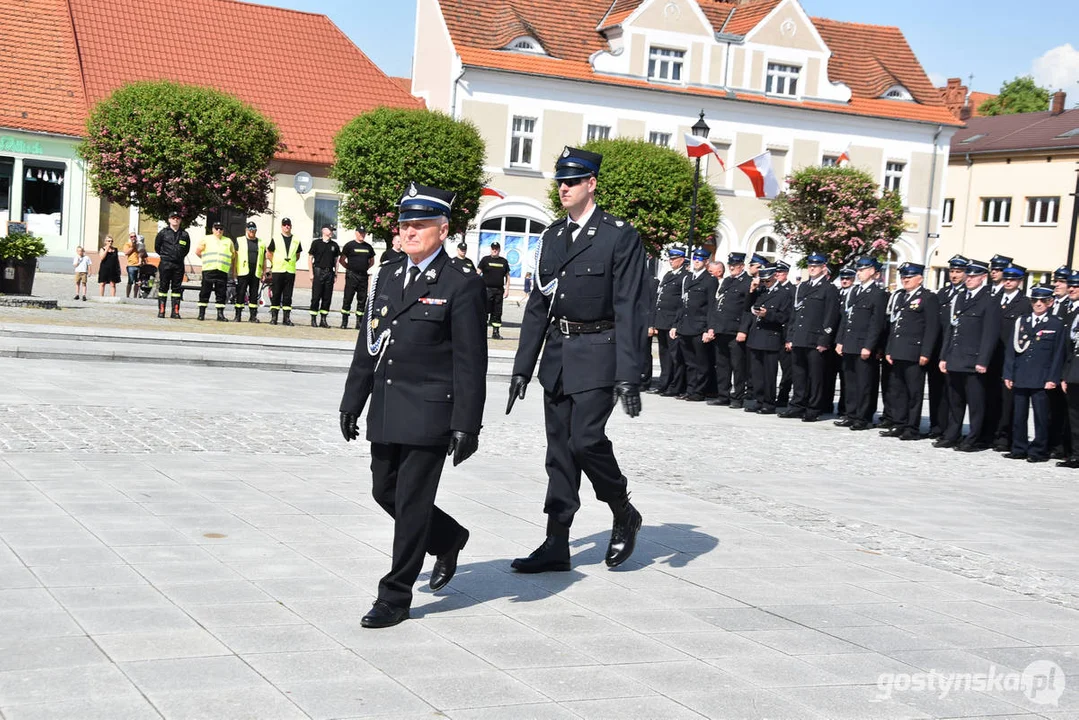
(839, 212)
(169, 147)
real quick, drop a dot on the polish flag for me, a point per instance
(844, 158)
(760, 173)
(698, 148)
(489, 191)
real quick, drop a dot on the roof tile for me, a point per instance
(1022, 131)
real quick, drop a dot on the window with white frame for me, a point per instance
(521, 139)
(830, 161)
(599, 132)
(996, 210)
(890, 269)
(893, 176)
(782, 79)
(665, 64)
(660, 138)
(1043, 210)
(947, 212)
(767, 247)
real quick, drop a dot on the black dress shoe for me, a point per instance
(682, 396)
(382, 615)
(694, 398)
(668, 393)
(551, 556)
(935, 434)
(1002, 446)
(767, 410)
(1015, 456)
(909, 435)
(894, 431)
(1069, 463)
(736, 405)
(623, 537)
(715, 402)
(750, 408)
(970, 447)
(1037, 459)
(792, 413)
(942, 443)
(1058, 455)
(858, 426)
(886, 423)
(845, 422)
(446, 564)
(811, 417)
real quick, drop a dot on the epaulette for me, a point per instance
(612, 220)
(461, 266)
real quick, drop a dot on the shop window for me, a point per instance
(325, 212)
(7, 175)
(43, 197)
(519, 238)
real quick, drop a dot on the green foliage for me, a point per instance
(379, 153)
(165, 147)
(652, 188)
(21, 246)
(836, 211)
(1021, 95)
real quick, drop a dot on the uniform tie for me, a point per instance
(571, 228)
(413, 273)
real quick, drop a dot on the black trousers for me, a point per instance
(577, 442)
(1060, 424)
(887, 411)
(994, 396)
(663, 342)
(965, 389)
(1023, 400)
(247, 287)
(404, 483)
(786, 365)
(907, 389)
(495, 296)
(322, 291)
(764, 368)
(355, 287)
(281, 290)
(215, 281)
(808, 367)
(1072, 401)
(646, 364)
(170, 277)
(698, 363)
(1004, 434)
(938, 397)
(730, 364)
(676, 383)
(833, 375)
(860, 386)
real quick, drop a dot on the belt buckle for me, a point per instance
(563, 326)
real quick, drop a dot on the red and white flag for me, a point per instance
(489, 191)
(760, 173)
(698, 148)
(844, 158)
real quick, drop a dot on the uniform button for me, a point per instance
(390, 361)
(393, 323)
(389, 381)
(563, 273)
(449, 396)
(561, 295)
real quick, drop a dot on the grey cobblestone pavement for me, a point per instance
(206, 549)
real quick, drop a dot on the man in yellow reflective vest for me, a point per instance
(250, 265)
(282, 253)
(218, 262)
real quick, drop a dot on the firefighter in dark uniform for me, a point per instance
(913, 335)
(763, 325)
(652, 284)
(589, 317)
(1059, 425)
(495, 271)
(756, 263)
(322, 268)
(421, 359)
(997, 265)
(786, 357)
(725, 317)
(250, 265)
(668, 300)
(691, 324)
(172, 245)
(462, 256)
(1070, 386)
(357, 257)
(1013, 305)
(834, 367)
(966, 351)
(810, 336)
(936, 380)
(283, 253)
(860, 336)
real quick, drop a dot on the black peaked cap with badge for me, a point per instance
(576, 163)
(424, 203)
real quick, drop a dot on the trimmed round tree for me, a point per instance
(379, 153)
(169, 147)
(651, 187)
(838, 212)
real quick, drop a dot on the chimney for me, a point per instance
(955, 96)
(1056, 106)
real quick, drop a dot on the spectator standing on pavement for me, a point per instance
(131, 253)
(108, 271)
(218, 262)
(172, 245)
(357, 257)
(81, 263)
(462, 256)
(496, 277)
(394, 251)
(250, 265)
(282, 254)
(322, 268)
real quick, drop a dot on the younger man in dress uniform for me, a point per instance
(421, 359)
(357, 257)
(763, 326)
(282, 253)
(724, 320)
(218, 263)
(786, 358)
(322, 268)
(250, 265)
(834, 367)
(912, 342)
(1013, 305)
(1070, 386)
(691, 324)
(668, 301)
(495, 270)
(810, 336)
(937, 381)
(997, 265)
(860, 336)
(1033, 365)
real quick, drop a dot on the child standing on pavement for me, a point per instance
(81, 263)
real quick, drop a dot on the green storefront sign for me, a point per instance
(17, 145)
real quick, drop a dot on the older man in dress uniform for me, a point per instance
(589, 319)
(724, 318)
(672, 368)
(764, 325)
(1013, 305)
(691, 325)
(422, 361)
(861, 334)
(912, 339)
(810, 335)
(936, 380)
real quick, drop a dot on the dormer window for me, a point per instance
(526, 44)
(897, 92)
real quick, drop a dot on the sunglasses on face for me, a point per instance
(572, 182)
(1040, 300)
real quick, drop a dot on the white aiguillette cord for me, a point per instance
(375, 346)
(550, 288)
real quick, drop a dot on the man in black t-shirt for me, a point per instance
(462, 255)
(357, 257)
(391, 252)
(322, 262)
(495, 271)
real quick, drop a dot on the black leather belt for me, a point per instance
(568, 327)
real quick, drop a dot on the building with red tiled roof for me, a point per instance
(536, 76)
(962, 102)
(62, 56)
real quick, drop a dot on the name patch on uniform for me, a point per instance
(591, 231)
(434, 301)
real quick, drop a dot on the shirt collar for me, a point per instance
(975, 291)
(423, 264)
(867, 284)
(583, 220)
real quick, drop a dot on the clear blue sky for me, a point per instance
(994, 40)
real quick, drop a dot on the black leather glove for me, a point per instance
(518, 383)
(630, 396)
(462, 445)
(349, 426)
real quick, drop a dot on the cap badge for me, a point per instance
(619, 223)
(565, 153)
(412, 190)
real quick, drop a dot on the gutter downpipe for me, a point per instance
(929, 206)
(453, 95)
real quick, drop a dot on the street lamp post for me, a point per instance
(700, 129)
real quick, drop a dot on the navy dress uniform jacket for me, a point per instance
(864, 324)
(767, 333)
(1043, 359)
(970, 337)
(726, 313)
(601, 277)
(698, 296)
(915, 331)
(432, 375)
(668, 299)
(815, 314)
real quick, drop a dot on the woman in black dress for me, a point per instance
(108, 271)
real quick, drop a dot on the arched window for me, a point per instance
(890, 271)
(526, 44)
(768, 248)
(519, 238)
(897, 92)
